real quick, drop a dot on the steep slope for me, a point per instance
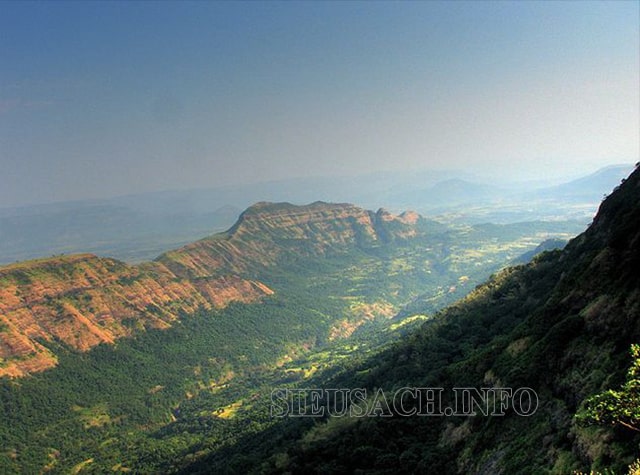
(84, 300)
(561, 325)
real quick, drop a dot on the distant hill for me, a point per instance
(139, 227)
(589, 188)
(448, 193)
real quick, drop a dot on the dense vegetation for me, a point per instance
(167, 398)
(561, 325)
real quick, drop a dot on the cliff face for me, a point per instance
(83, 300)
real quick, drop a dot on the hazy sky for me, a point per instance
(101, 99)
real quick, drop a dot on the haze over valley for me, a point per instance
(139, 227)
(320, 237)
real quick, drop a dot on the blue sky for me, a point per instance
(102, 99)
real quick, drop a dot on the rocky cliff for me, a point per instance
(267, 232)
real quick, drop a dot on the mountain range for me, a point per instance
(167, 366)
(139, 227)
(84, 300)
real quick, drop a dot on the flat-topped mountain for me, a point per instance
(267, 232)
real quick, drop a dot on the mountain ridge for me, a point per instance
(84, 300)
(315, 229)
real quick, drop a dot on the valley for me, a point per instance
(562, 325)
(163, 357)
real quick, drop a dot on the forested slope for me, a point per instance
(561, 325)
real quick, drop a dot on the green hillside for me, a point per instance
(562, 325)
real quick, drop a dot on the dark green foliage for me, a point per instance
(621, 406)
(561, 325)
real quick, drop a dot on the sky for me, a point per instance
(100, 99)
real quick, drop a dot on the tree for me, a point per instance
(617, 407)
